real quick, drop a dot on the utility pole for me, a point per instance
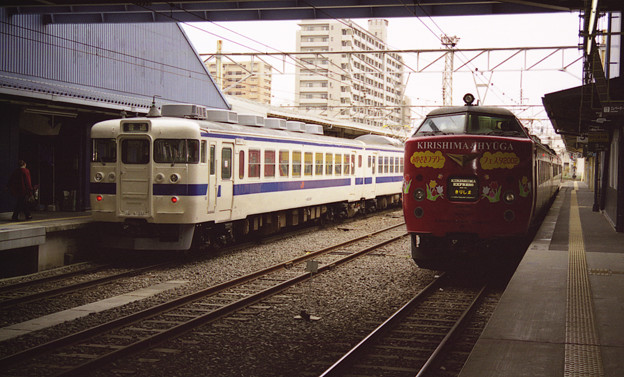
(219, 64)
(447, 76)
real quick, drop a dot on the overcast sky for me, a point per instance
(507, 86)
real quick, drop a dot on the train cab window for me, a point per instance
(226, 163)
(254, 163)
(307, 163)
(284, 163)
(353, 164)
(135, 151)
(329, 163)
(338, 165)
(447, 124)
(269, 163)
(360, 161)
(347, 164)
(318, 164)
(296, 164)
(494, 125)
(104, 150)
(176, 151)
(212, 160)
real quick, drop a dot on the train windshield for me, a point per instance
(104, 150)
(176, 151)
(473, 124)
(135, 151)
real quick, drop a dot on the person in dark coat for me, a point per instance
(20, 186)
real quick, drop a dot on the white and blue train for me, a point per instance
(196, 177)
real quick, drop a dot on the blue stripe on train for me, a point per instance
(245, 188)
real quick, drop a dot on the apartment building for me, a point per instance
(249, 79)
(347, 74)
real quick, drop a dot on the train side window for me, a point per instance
(269, 163)
(212, 160)
(284, 163)
(104, 150)
(307, 163)
(318, 164)
(226, 163)
(401, 167)
(329, 163)
(241, 164)
(203, 152)
(370, 164)
(391, 165)
(338, 164)
(347, 165)
(135, 151)
(380, 164)
(296, 164)
(254, 163)
(386, 164)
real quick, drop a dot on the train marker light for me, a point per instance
(419, 194)
(174, 199)
(99, 198)
(509, 197)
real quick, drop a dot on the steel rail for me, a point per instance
(48, 279)
(75, 287)
(452, 332)
(345, 361)
(220, 312)
(349, 359)
(146, 313)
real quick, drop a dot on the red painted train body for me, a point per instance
(473, 175)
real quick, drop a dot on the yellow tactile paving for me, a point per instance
(582, 351)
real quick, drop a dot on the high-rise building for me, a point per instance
(347, 74)
(249, 79)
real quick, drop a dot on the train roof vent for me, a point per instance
(295, 126)
(251, 120)
(183, 110)
(275, 123)
(224, 116)
(315, 129)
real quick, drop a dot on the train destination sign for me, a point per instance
(463, 189)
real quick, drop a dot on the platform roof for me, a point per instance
(115, 11)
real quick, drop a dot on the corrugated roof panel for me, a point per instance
(133, 60)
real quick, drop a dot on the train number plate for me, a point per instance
(463, 189)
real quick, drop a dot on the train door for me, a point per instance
(225, 181)
(135, 177)
(212, 178)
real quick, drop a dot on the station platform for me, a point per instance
(48, 240)
(562, 313)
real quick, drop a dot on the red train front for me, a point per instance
(468, 179)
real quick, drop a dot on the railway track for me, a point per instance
(80, 353)
(29, 291)
(410, 342)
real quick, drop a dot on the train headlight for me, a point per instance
(111, 176)
(159, 177)
(174, 199)
(419, 194)
(98, 176)
(509, 197)
(174, 177)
